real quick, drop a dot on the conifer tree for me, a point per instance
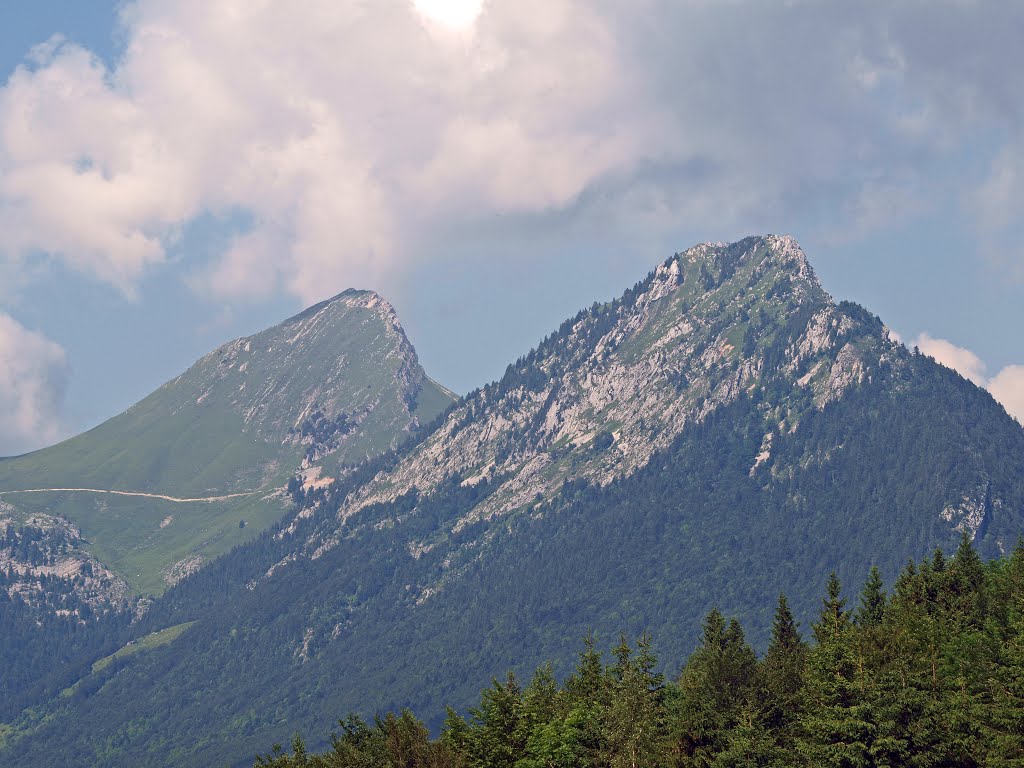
(1005, 728)
(549, 735)
(635, 726)
(589, 693)
(541, 699)
(834, 730)
(495, 736)
(967, 584)
(455, 733)
(834, 618)
(872, 600)
(714, 686)
(780, 678)
(749, 744)
(589, 681)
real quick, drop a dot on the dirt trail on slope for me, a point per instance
(174, 499)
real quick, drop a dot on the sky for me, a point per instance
(177, 173)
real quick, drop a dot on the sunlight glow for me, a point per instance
(457, 14)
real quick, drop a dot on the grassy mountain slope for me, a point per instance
(721, 432)
(338, 382)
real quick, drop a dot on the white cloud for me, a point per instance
(960, 359)
(33, 375)
(349, 132)
(996, 206)
(338, 130)
(1007, 386)
(457, 14)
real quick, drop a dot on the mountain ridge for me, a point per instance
(620, 373)
(793, 436)
(337, 383)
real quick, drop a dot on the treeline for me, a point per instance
(930, 675)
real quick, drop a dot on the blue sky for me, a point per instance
(190, 172)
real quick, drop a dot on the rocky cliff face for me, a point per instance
(44, 563)
(621, 381)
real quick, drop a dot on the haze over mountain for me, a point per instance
(722, 431)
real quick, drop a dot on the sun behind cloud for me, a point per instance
(457, 14)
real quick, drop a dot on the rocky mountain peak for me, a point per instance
(345, 356)
(337, 314)
(354, 299)
(724, 260)
(619, 381)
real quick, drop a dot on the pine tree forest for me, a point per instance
(927, 674)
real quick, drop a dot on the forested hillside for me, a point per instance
(931, 675)
(721, 433)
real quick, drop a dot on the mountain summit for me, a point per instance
(620, 381)
(200, 464)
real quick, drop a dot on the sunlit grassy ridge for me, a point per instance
(150, 641)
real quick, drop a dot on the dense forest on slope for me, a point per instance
(931, 675)
(349, 631)
(42, 649)
(55, 616)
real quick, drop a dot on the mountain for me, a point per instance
(191, 471)
(619, 382)
(172, 479)
(721, 432)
